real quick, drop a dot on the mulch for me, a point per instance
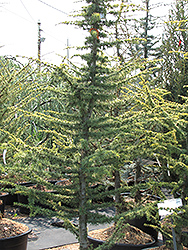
(73, 246)
(132, 235)
(10, 228)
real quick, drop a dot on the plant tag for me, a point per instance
(4, 156)
(102, 15)
(171, 204)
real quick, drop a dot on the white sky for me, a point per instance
(19, 29)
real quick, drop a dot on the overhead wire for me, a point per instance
(17, 14)
(53, 7)
(27, 11)
(56, 10)
(32, 21)
(53, 37)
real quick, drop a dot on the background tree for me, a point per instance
(144, 27)
(15, 79)
(173, 74)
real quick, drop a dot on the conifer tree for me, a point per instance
(173, 72)
(147, 46)
(78, 139)
(80, 130)
(123, 32)
(15, 78)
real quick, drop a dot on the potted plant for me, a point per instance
(120, 236)
(177, 220)
(13, 235)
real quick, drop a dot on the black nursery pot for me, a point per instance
(67, 202)
(18, 242)
(119, 246)
(11, 198)
(46, 205)
(52, 181)
(3, 198)
(184, 238)
(24, 199)
(139, 223)
(26, 184)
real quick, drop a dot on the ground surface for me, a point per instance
(76, 247)
(45, 236)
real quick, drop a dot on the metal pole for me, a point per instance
(39, 47)
(68, 50)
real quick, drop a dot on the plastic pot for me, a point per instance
(12, 197)
(139, 223)
(24, 199)
(98, 189)
(26, 184)
(52, 181)
(69, 202)
(3, 199)
(18, 242)
(184, 238)
(119, 246)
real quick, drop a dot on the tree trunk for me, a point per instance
(138, 170)
(117, 186)
(146, 30)
(83, 212)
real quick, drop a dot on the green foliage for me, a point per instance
(146, 47)
(85, 125)
(63, 140)
(173, 74)
(15, 79)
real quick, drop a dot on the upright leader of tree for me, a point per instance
(174, 46)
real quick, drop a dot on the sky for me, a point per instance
(19, 27)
